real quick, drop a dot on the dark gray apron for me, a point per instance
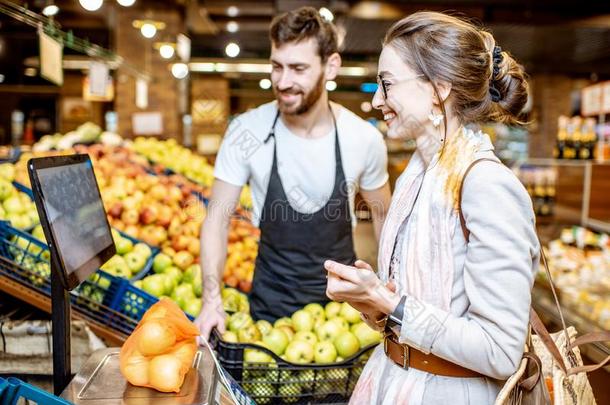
(293, 246)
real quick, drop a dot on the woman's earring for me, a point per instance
(435, 118)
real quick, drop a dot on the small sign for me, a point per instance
(98, 78)
(141, 93)
(51, 59)
(605, 97)
(147, 123)
(591, 103)
(108, 94)
(183, 47)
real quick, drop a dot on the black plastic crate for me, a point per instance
(288, 383)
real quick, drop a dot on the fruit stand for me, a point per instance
(156, 212)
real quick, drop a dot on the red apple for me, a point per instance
(180, 242)
(130, 216)
(116, 209)
(149, 214)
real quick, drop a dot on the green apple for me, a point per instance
(299, 352)
(264, 326)
(329, 331)
(135, 261)
(316, 310)
(239, 320)
(282, 321)
(349, 313)
(346, 344)
(115, 234)
(170, 283)
(193, 306)
(366, 336)
(230, 300)
(154, 285)
(198, 287)
(324, 352)
(332, 309)
(38, 233)
(182, 293)
(161, 262)
(287, 330)
(143, 249)
(13, 205)
(276, 340)
(138, 284)
(230, 337)
(342, 323)
(249, 334)
(256, 356)
(6, 189)
(192, 272)
(306, 336)
(290, 392)
(244, 304)
(123, 246)
(302, 321)
(175, 274)
(7, 172)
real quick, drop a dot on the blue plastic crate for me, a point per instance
(109, 300)
(149, 262)
(13, 389)
(13, 156)
(24, 189)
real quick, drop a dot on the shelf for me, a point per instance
(542, 302)
(559, 162)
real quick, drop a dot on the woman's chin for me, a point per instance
(398, 135)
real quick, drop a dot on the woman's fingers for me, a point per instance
(340, 270)
(391, 286)
(361, 264)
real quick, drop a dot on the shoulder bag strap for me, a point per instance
(535, 321)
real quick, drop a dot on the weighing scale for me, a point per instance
(74, 221)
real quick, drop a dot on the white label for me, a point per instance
(51, 57)
(147, 123)
(605, 97)
(591, 103)
(141, 93)
(98, 79)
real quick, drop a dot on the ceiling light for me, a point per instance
(148, 30)
(30, 72)
(232, 49)
(91, 5)
(331, 85)
(232, 11)
(1, 78)
(265, 84)
(166, 51)
(180, 70)
(50, 10)
(126, 3)
(232, 26)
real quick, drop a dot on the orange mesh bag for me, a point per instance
(161, 349)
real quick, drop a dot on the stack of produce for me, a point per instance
(314, 334)
(15, 206)
(161, 349)
(177, 278)
(580, 265)
(175, 157)
(129, 259)
(84, 134)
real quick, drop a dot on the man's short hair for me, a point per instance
(302, 24)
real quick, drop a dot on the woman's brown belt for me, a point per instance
(407, 357)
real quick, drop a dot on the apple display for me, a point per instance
(346, 344)
(276, 340)
(302, 321)
(324, 352)
(299, 352)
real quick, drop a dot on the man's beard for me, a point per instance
(309, 99)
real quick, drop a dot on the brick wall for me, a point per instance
(139, 52)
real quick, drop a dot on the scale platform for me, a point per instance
(99, 382)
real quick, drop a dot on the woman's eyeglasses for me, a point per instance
(386, 84)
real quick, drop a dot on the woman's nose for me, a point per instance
(378, 100)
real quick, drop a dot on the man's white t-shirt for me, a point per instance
(306, 166)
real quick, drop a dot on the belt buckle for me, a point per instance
(406, 353)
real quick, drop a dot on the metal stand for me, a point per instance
(60, 318)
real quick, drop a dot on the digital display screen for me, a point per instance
(75, 214)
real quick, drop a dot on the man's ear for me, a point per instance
(333, 63)
(444, 89)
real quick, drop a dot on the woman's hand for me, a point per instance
(361, 288)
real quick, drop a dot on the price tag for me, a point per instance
(591, 103)
(605, 97)
(147, 123)
(98, 79)
(141, 93)
(51, 59)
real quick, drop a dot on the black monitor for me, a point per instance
(72, 216)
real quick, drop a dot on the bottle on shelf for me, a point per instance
(562, 134)
(589, 138)
(576, 137)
